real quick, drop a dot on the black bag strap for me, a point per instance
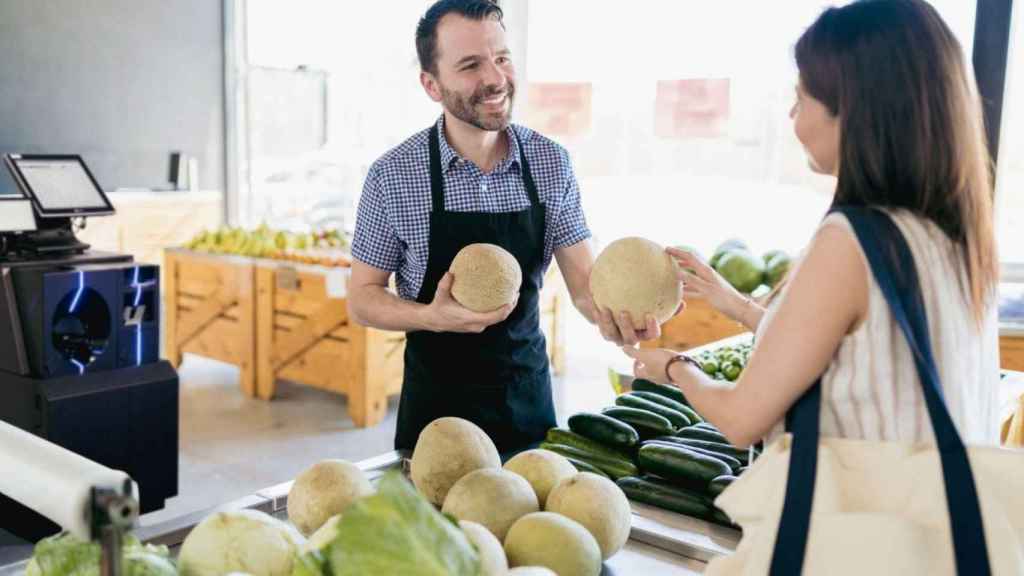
(892, 264)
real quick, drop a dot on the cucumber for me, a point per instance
(569, 438)
(604, 429)
(701, 433)
(647, 424)
(665, 496)
(733, 463)
(690, 413)
(678, 419)
(708, 425)
(667, 391)
(718, 485)
(613, 467)
(679, 463)
(740, 454)
(583, 466)
(719, 517)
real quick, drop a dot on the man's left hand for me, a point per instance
(619, 328)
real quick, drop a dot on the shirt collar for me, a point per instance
(449, 156)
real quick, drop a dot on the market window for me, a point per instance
(676, 115)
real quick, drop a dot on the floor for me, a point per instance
(232, 445)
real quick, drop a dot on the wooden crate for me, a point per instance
(697, 325)
(303, 334)
(210, 310)
(278, 320)
(1011, 352)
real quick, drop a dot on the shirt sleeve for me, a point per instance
(570, 224)
(375, 241)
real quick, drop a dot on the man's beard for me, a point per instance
(465, 109)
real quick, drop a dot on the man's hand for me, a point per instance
(619, 328)
(445, 314)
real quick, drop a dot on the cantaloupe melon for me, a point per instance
(323, 490)
(486, 277)
(543, 469)
(599, 505)
(553, 541)
(492, 498)
(447, 449)
(492, 555)
(531, 571)
(637, 276)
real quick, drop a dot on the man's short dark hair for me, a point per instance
(426, 31)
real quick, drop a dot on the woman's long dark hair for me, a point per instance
(910, 121)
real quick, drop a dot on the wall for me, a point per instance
(122, 82)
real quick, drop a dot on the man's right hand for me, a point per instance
(445, 314)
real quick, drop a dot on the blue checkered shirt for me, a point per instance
(393, 220)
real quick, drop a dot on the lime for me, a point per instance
(741, 269)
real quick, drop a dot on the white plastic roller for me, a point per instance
(54, 481)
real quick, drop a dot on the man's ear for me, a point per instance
(430, 85)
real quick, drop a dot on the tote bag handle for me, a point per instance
(892, 264)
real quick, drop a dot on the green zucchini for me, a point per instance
(584, 466)
(613, 467)
(702, 433)
(604, 429)
(667, 402)
(719, 517)
(569, 438)
(718, 485)
(663, 389)
(740, 454)
(647, 424)
(733, 463)
(665, 496)
(677, 418)
(679, 463)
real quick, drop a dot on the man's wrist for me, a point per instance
(425, 318)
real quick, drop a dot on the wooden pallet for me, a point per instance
(303, 334)
(210, 310)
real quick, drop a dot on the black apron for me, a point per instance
(498, 379)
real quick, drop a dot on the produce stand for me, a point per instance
(660, 542)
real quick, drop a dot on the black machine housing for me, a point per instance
(80, 365)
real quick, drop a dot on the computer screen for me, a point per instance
(60, 185)
(16, 214)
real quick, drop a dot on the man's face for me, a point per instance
(475, 76)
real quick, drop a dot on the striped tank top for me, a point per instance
(871, 390)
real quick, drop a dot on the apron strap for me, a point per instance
(436, 179)
(531, 186)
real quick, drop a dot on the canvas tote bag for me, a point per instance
(815, 505)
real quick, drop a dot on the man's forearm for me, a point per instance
(378, 307)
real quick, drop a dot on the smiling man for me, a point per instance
(471, 177)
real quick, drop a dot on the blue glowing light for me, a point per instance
(138, 287)
(78, 294)
(138, 344)
(81, 367)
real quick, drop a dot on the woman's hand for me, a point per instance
(650, 363)
(703, 281)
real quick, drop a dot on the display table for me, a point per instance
(660, 542)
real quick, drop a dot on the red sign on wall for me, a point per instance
(692, 108)
(560, 109)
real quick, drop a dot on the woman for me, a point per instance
(884, 103)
